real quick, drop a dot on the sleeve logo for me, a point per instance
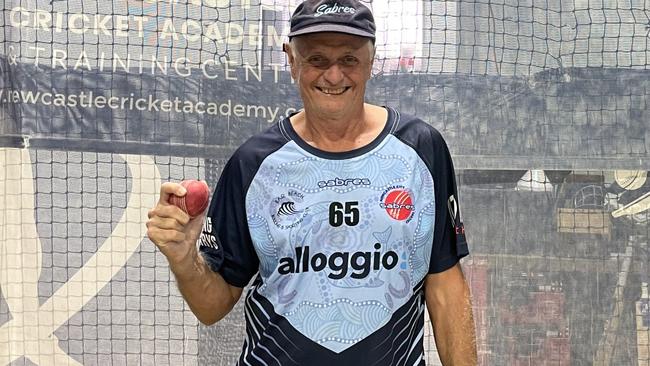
(458, 226)
(207, 238)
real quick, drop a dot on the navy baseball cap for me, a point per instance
(340, 16)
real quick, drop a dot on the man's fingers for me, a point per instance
(169, 211)
(166, 223)
(170, 188)
(164, 237)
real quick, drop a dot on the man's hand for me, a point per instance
(209, 296)
(172, 230)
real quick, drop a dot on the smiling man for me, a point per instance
(344, 215)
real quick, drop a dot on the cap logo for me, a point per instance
(333, 9)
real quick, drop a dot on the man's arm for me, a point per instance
(209, 296)
(448, 301)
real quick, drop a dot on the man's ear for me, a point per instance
(290, 57)
(373, 53)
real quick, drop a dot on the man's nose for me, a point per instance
(334, 75)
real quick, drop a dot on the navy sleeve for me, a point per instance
(449, 243)
(225, 242)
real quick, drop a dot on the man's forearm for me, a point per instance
(208, 295)
(450, 309)
(455, 336)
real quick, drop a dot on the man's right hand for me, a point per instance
(172, 230)
(209, 296)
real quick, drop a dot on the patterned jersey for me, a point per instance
(339, 243)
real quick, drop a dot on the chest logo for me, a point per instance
(284, 211)
(338, 264)
(338, 182)
(398, 203)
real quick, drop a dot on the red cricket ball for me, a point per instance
(195, 200)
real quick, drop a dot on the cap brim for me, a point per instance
(336, 28)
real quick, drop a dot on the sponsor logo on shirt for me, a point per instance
(285, 211)
(339, 182)
(458, 226)
(338, 264)
(398, 203)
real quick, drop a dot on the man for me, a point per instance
(345, 214)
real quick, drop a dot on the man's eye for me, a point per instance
(318, 61)
(349, 61)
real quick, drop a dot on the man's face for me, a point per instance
(331, 70)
